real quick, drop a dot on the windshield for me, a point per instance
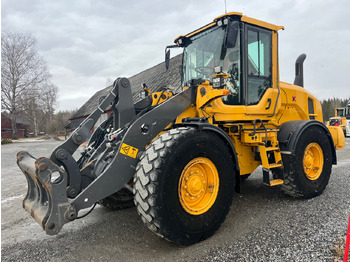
(203, 54)
(340, 111)
(207, 50)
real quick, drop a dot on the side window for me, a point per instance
(310, 104)
(259, 64)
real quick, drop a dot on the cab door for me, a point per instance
(260, 96)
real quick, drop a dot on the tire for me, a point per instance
(167, 167)
(306, 175)
(122, 199)
(244, 177)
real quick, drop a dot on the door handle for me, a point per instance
(269, 101)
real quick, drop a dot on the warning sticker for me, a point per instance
(129, 150)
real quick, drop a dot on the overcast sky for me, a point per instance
(86, 42)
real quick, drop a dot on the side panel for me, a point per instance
(295, 104)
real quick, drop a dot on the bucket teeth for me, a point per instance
(46, 198)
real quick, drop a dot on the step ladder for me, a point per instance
(271, 160)
(267, 149)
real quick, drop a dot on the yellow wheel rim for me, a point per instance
(313, 161)
(198, 186)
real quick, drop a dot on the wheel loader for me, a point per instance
(341, 118)
(183, 155)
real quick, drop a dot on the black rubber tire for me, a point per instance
(296, 183)
(122, 199)
(157, 179)
(244, 177)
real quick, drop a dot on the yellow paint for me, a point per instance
(212, 94)
(276, 182)
(198, 186)
(280, 103)
(245, 155)
(341, 119)
(228, 14)
(129, 150)
(313, 161)
(338, 136)
(261, 23)
(190, 112)
(160, 97)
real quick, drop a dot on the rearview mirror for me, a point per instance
(231, 34)
(167, 55)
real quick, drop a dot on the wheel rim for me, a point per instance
(198, 186)
(313, 161)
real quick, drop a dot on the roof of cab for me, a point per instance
(242, 17)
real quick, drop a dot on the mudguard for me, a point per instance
(291, 131)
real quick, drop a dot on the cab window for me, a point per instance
(259, 67)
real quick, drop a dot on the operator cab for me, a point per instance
(242, 46)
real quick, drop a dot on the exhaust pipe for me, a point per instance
(299, 71)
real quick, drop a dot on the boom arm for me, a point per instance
(55, 194)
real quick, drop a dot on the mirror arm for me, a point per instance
(167, 55)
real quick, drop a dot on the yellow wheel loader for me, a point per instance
(183, 154)
(341, 118)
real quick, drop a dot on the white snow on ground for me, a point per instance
(31, 140)
(10, 199)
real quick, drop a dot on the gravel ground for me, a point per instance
(297, 230)
(263, 224)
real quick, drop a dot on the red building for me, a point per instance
(23, 127)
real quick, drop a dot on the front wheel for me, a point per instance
(308, 172)
(184, 185)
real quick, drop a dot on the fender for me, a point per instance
(211, 128)
(222, 134)
(290, 133)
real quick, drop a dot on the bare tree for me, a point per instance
(23, 70)
(60, 121)
(39, 107)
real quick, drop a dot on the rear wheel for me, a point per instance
(122, 199)
(184, 185)
(308, 172)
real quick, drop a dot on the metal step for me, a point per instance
(274, 181)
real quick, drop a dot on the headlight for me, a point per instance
(143, 93)
(219, 82)
(218, 69)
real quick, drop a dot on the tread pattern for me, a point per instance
(146, 176)
(120, 200)
(289, 186)
(293, 184)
